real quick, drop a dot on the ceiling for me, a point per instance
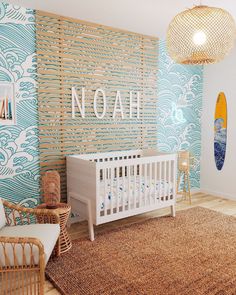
(150, 17)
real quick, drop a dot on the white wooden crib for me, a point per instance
(103, 187)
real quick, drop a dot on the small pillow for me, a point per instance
(2, 215)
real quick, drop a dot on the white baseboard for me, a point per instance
(218, 194)
(195, 190)
(76, 219)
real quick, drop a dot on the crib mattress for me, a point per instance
(126, 191)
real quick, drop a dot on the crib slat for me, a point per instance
(105, 190)
(129, 188)
(117, 188)
(123, 188)
(134, 189)
(140, 185)
(169, 180)
(112, 189)
(99, 192)
(145, 184)
(160, 186)
(155, 182)
(150, 183)
(165, 179)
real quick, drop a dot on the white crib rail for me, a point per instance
(112, 156)
(139, 177)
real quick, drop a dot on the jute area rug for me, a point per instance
(194, 253)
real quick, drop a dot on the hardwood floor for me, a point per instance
(203, 200)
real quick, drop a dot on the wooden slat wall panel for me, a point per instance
(76, 53)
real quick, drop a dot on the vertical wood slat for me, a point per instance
(165, 178)
(169, 179)
(112, 196)
(117, 189)
(160, 184)
(135, 186)
(128, 185)
(105, 190)
(99, 200)
(140, 184)
(76, 53)
(145, 183)
(123, 190)
(173, 178)
(155, 182)
(150, 183)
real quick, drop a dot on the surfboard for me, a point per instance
(220, 130)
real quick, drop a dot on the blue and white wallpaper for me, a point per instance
(180, 104)
(179, 111)
(19, 167)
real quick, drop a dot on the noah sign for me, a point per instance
(78, 104)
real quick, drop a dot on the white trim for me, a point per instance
(195, 190)
(75, 219)
(218, 194)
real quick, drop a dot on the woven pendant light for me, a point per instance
(201, 35)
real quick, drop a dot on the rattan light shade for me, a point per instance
(201, 35)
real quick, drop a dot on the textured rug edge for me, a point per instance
(126, 226)
(134, 224)
(52, 281)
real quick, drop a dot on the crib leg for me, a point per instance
(90, 222)
(68, 225)
(91, 231)
(173, 210)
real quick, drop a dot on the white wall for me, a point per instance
(217, 78)
(150, 17)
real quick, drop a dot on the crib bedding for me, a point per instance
(121, 186)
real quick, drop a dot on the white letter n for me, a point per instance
(76, 99)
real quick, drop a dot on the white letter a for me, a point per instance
(116, 109)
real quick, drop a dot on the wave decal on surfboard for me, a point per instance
(220, 129)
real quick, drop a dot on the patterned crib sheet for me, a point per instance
(120, 187)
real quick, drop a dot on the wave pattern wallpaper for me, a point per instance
(19, 169)
(179, 110)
